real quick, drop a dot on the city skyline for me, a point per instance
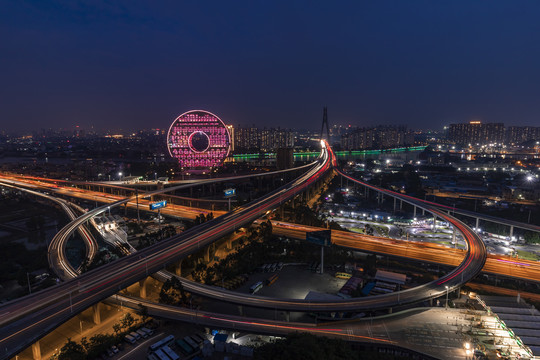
(134, 66)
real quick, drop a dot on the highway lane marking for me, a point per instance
(139, 345)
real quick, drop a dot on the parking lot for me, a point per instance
(294, 282)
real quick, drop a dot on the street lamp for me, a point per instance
(120, 175)
(446, 286)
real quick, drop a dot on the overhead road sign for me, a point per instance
(158, 205)
(322, 237)
(230, 192)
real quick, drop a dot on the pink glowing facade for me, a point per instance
(198, 139)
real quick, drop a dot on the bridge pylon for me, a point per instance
(325, 121)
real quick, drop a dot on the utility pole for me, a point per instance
(29, 287)
(159, 221)
(137, 200)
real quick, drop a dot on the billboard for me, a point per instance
(322, 237)
(158, 205)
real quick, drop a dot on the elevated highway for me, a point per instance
(139, 199)
(473, 260)
(449, 209)
(24, 321)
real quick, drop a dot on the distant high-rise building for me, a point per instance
(520, 134)
(380, 137)
(272, 139)
(476, 133)
(254, 139)
(231, 134)
(247, 139)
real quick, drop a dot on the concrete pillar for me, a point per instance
(287, 316)
(414, 211)
(511, 231)
(241, 310)
(96, 314)
(400, 205)
(36, 351)
(477, 222)
(178, 269)
(395, 201)
(423, 212)
(142, 288)
(390, 310)
(207, 254)
(322, 259)
(229, 242)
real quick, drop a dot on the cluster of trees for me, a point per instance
(155, 236)
(134, 227)
(199, 219)
(172, 292)
(252, 248)
(99, 343)
(260, 246)
(303, 214)
(532, 237)
(103, 256)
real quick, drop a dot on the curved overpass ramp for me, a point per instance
(24, 321)
(471, 265)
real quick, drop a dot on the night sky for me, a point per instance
(139, 64)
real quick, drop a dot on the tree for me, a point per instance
(143, 311)
(172, 292)
(85, 344)
(370, 265)
(99, 343)
(72, 351)
(117, 328)
(531, 237)
(127, 321)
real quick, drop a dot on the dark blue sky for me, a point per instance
(270, 63)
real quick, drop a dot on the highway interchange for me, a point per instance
(25, 320)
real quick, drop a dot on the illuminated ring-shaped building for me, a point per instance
(198, 139)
